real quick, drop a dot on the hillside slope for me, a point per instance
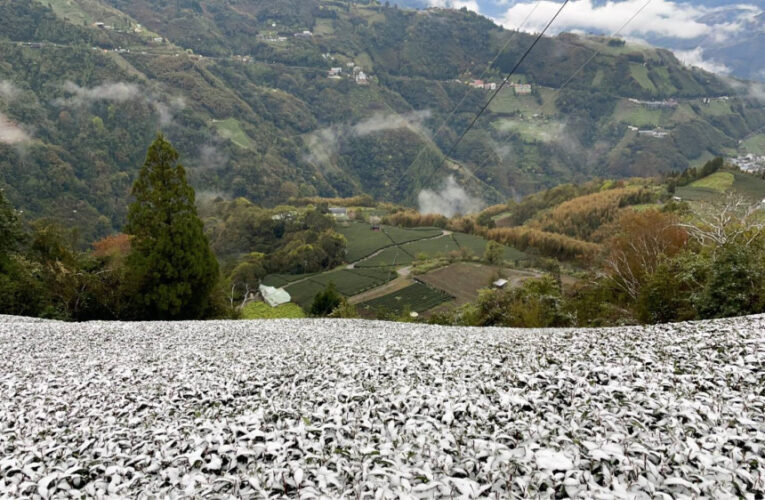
(84, 85)
(353, 408)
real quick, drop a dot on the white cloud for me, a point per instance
(120, 92)
(10, 133)
(117, 92)
(450, 200)
(323, 144)
(380, 122)
(695, 57)
(660, 17)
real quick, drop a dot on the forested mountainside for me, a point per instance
(247, 92)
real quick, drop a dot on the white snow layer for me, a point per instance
(354, 409)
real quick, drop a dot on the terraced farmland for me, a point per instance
(355, 409)
(416, 297)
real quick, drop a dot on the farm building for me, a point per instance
(274, 296)
(500, 283)
(338, 212)
(522, 88)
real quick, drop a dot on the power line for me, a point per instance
(500, 87)
(589, 60)
(483, 75)
(597, 52)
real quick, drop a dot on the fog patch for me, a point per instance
(380, 122)
(120, 92)
(212, 158)
(751, 90)
(323, 144)
(10, 133)
(450, 200)
(695, 57)
(8, 91)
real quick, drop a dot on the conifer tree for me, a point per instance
(171, 270)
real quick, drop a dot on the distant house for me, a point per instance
(304, 34)
(274, 296)
(338, 212)
(361, 78)
(522, 88)
(478, 84)
(490, 86)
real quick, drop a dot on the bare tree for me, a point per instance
(735, 218)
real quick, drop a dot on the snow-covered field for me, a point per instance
(356, 409)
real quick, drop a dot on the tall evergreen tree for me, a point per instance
(171, 269)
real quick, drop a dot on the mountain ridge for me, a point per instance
(270, 123)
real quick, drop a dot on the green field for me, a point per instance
(638, 115)
(432, 248)
(640, 74)
(417, 298)
(712, 187)
(754, 145)
(231, 129)
(477, 245)
(261, 310)
(719, 181)
(362, 241)
(393, 256)
(403, 235)
(348, 282)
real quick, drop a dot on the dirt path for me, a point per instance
(402, 281)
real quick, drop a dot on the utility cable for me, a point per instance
(500, 87)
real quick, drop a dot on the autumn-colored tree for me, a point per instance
(642, 240)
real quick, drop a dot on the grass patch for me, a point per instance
(417, 298)
(719, 181)
(231, 129)
(754, 145)
(638, 115)
(261, 310)
(640, 74)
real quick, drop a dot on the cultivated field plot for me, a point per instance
(393, 256)
(432, 247)
(477, 245)
(403, 235)
(712, 187)
(353, 409)
(362, 241)
(416, 297)
(463, 279)
(348, 282)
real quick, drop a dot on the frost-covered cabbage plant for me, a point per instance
(359, 409)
